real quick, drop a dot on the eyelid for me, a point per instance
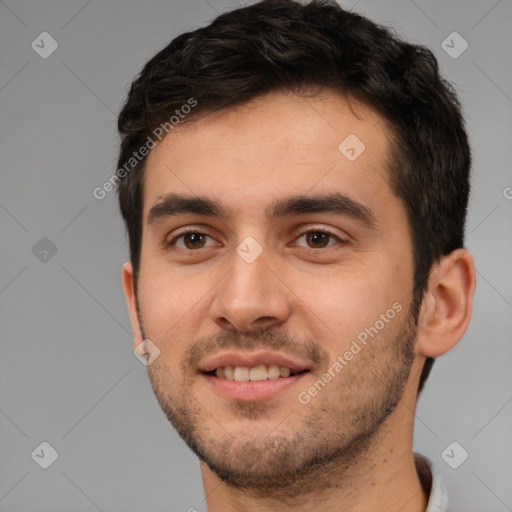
(185, 231)
(323, 228)
(332, 243)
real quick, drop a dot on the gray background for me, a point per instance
(68, 375)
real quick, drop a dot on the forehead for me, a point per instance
(279, 144)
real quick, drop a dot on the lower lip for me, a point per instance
(249, 391)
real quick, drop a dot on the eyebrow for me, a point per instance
(173, 204)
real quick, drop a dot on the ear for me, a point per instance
(131, 301)
(447, 304)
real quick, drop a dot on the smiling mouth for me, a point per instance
(258, 373)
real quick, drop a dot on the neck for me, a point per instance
(379, 475)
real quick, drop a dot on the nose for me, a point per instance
(251, 296)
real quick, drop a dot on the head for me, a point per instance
(256, 108)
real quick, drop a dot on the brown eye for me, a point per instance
(191, 240)
(194, 240)
(319, 239)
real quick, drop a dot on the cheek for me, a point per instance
(170, 308)
(342, 302)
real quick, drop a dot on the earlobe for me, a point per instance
(447, 304)
(131, 302)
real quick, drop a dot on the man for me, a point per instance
(294, 181)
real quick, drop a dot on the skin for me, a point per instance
(350, 447)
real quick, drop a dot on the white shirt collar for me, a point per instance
(438, 499)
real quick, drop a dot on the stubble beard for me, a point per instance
(309, 448)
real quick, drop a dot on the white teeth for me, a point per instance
(284, 372)
(273, 372)
(229, 372)
(255, 374)
(241, 373)
(258, 372)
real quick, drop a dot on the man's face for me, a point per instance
(276, 284)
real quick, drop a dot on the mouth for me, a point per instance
(252, 376)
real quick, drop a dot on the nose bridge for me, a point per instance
(250, 296)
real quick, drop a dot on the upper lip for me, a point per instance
(250, 359)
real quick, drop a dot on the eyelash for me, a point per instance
(172, 243)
